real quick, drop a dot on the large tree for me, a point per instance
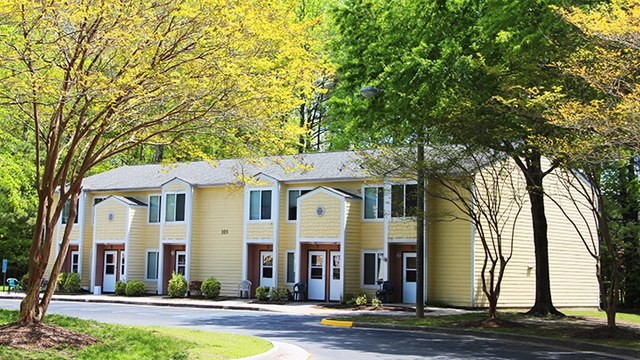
(469, 72)
(91, 79)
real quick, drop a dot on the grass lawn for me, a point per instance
(127, 342)
(577, 325)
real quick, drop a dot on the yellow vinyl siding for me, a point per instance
(449, 255)
(216, 246)
(259, 231)
(176, 186)
(352, 248)
(171, 231)
(142, 238)
(372, 234)
(327, 226)
(402, 229)
(114, 229)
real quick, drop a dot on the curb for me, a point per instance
(570, 344)
(329, 322)
(147, 302)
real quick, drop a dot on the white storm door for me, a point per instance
(317, 279)
(335, 286)
(409, 275)
(181, 262)
(110, 267)
(266, 268)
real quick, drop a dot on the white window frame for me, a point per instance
(76, 263)
(380, 203)
(159, 196)
(146, 265)
(260, 219)
(404, 200)
(378, 254)
(293, 264)
(175, 207)
(123, 258)
(289, 199)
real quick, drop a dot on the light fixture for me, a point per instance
(370, 91)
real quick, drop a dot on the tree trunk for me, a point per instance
(534, 176)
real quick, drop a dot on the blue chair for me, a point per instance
(300, 291)
(13, 283)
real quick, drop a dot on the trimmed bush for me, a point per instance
(279, 295)
(121, 288)
(262, 293)
(72, 283)
(177, 286)
(135, 288)
(211, 288)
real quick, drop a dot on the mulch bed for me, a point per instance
(42, 336)
(368, 307)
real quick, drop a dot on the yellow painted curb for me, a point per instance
(336, 323)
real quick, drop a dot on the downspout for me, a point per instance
(189, 217)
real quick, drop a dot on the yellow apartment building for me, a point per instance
(316, 218)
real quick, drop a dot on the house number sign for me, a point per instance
(224, 231)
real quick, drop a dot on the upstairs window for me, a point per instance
(292, 212)
(404, 200)
(260, 205)
(155, 202)
(66, 210)
(175, 207)
(374, 202)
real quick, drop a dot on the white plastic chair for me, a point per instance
(244, 288)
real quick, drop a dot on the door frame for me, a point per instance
(112, 287)
(408, 290)
(315, 287)
(265, 281)
(335, 285)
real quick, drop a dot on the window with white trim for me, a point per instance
(66, 210)
(291, 273)
(260, 205)
(151, 272)
(374, 202)
(292, 211)
(371, 261)
(175, 207)
(155, 204)
(122, 267)
(404, 200)
(75, 261)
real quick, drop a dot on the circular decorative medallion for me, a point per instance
(110, 216)
(320, 211)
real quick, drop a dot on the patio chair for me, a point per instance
(244, 288)
(385, 291)
(300, 291)
(13, 283)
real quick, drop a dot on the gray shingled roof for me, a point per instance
(306, 167)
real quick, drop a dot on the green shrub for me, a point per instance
(71, 283)
(376, 303)
(121, 288)
(361, 299)
(262, 293)
(62, 277)
(280, 295)
(211, 288)
(135, 288)
(177, 286)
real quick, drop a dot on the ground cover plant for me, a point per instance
(125, 342)
(588, 326)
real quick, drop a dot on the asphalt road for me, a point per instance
(324, 343)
